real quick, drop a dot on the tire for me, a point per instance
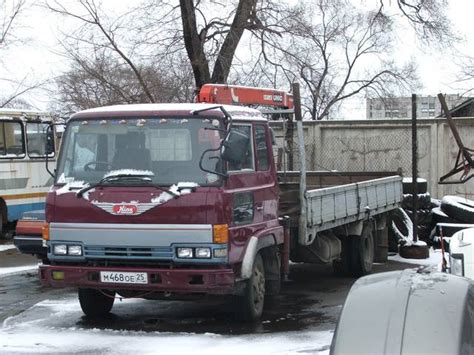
(362, 252)
(401, 228)
(440, 217)
(435, 203)
(459, 208)
(423, 202)
(250, 304)
(95, 303)
(408, 188)
(424, 216)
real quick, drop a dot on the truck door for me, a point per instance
(253, 182)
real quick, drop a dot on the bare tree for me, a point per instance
(224, 32)
(336, 51)
(328, 47)
(99, 79)
(428, 18)
(97, 22)
(10, 11)
(13, 90)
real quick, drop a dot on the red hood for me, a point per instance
(137, 205)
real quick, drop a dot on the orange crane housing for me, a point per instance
(243, 95)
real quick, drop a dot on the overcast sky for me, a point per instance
(37, 58)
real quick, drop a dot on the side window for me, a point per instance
(36, 139)
(11, 140)
(262, 148)
(247, 163)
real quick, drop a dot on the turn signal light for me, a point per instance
(220, 233)
(45, 231)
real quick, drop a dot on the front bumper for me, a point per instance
(207, 281)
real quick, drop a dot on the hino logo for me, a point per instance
(124, 209)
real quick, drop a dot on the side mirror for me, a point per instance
(49, 149)
(235, 146)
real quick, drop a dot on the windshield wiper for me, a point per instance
(122, 177)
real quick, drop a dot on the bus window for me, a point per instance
(11, 140)
(37, 139)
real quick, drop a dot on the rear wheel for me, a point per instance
(250, 304)
(95, 303)
(362, 252)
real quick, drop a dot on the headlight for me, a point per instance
(74, 250)
(185, 252)
(203, 253)
(60, 249)
(456, 262)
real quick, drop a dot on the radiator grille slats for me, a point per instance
(158, 253)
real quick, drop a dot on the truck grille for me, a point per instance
(99, 252)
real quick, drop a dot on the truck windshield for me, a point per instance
(166, 149)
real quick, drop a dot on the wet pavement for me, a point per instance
(311, 299)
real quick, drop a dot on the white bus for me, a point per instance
(25, 143)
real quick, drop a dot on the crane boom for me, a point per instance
(243, 95)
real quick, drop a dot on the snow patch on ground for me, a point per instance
(36, 331)
(4, 247)
(4, 271)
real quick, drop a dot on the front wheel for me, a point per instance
(95, 303)
(250, 304)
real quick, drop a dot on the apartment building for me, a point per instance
(400, 107)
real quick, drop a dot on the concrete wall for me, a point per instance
(385, 145)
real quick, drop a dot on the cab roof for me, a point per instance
(237, 112)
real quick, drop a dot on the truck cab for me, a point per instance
(154, 200)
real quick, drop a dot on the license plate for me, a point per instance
(123, 277)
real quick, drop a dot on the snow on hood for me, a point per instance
(181, 188)
(130, 172)
(70, 186)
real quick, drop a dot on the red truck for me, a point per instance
(165, 200)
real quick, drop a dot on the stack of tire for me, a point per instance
(454, 209)
(401, 227)
(423, 206)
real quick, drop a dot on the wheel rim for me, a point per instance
(258, 287)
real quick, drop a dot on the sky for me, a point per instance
(37, 58)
